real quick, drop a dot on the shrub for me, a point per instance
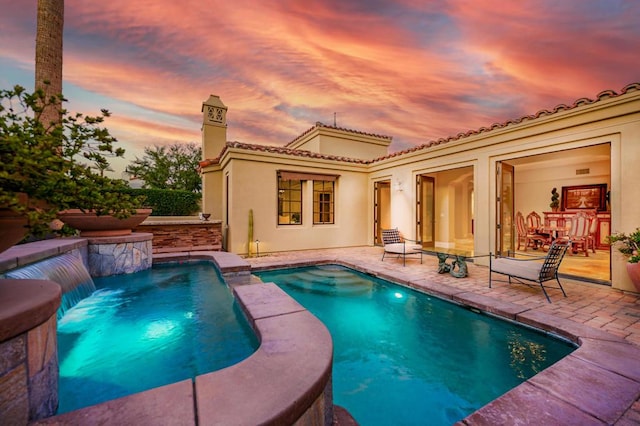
(166, 202)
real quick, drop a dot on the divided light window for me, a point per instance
(289, 201)
(323, 202)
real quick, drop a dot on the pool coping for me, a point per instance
(596, 384)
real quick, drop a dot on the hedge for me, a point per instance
(167, 202)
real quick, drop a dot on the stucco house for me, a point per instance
(334, 187)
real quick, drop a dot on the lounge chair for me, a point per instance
(395, 244)
(530, 270)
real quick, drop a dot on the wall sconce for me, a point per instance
(398, 186)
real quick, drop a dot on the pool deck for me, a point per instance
(597, 384)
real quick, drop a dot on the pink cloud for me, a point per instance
(413, 70)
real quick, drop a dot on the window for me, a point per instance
(290, 193)
(322, 202)
(289, 201)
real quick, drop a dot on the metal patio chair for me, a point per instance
(397, 245)
(522, 270)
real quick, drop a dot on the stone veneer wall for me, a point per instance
(119, 255)
(178, 235)
(28, 350)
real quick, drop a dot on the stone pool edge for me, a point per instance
(596, 384)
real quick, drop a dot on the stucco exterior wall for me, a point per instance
(253, 185)
(353, 148)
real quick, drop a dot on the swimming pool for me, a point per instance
(148, 329)
(403, 357)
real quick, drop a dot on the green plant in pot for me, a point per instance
(555, 200)
(49, 167)
(629, 245)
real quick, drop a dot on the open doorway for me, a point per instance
(445, 210)
(533, 178)
(381, 209)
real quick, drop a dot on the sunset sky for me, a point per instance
(413, 70)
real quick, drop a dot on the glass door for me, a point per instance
(505, 231)
(381, 209)
(425, 208)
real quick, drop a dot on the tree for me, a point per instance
(173, 166)
(47, 169)
(50, 24)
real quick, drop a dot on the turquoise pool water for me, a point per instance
(149, 329)
(404, 358)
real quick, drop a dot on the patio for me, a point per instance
(596, 306)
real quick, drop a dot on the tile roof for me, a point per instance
(280, 150)
(302, 153)
(319, 124)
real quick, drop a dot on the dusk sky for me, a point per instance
(413, 70)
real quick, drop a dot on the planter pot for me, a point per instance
(91, 225)
(13, 227)
(633, 269)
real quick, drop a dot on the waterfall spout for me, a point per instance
(68, 271)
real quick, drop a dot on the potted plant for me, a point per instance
(555, 200)
(629, 245)
(49, 167)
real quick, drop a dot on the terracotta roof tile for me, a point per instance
(280, 150)
(319, 124)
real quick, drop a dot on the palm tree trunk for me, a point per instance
(49, 54)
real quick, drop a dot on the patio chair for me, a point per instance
(395, 244)
(522, 270)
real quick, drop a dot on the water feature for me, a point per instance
(67, 270)
(147, 329)
(403, 357)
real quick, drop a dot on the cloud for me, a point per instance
(414, 70)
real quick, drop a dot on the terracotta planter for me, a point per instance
(13, 228)
(633, 269)
(91, 225)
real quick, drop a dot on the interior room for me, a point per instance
(575, 174)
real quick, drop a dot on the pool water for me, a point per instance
(148, 329)
(402, 357)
